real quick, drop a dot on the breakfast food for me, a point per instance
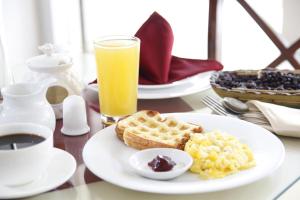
(218, 154)
(144, 116)
(161, 163)
(263, 80)
(268, 85)
(148, 129)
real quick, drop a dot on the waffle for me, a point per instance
(147, 129)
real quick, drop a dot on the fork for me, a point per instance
(217, 107)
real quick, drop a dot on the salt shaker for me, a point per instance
(74, 116)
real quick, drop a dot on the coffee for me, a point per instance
(19, 140)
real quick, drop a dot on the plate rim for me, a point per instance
(183, 94)
(191, 190)
(93, 87)
(174, 83)
(165, 93)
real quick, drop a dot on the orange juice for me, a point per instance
(117, 73)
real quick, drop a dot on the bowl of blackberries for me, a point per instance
(270, 85)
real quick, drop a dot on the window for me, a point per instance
(244, 44)
(74, 25)
(188, 20)
(241, 37)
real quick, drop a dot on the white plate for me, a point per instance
(187, 86)
(107, 157)
(175, 83)
(61, 168)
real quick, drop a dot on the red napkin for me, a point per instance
(157, 65)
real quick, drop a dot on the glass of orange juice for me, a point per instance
(117, 59)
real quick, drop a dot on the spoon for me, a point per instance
(13, 146)
(235, 105)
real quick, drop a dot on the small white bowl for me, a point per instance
(139, 162)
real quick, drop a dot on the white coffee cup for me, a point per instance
(21, 166)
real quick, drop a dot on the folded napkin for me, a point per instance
(157, 65)
(281, 120)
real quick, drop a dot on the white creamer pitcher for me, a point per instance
(26, 102)
(52, 64)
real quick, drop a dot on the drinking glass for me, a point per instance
(117, 59)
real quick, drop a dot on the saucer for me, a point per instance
(60, 169)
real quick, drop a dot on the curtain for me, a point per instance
(5, 74)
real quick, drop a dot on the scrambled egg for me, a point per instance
(218, 154)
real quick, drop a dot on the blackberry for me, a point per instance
(269, 79)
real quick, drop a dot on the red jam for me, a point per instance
(161, 163)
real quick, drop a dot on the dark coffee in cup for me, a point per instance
(32, 146)
(19, 141)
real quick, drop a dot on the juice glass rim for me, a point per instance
(100, 41)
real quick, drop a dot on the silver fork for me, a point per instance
(216, 106)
